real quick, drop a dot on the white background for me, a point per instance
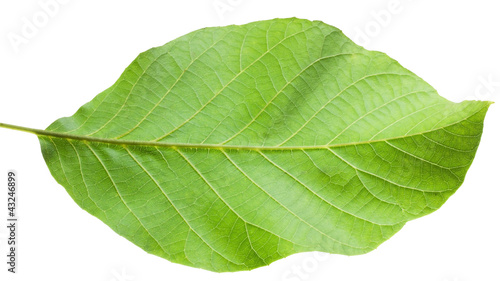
(82, 48)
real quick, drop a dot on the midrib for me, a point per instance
(52, 134)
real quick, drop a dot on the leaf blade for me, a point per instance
(220, 149)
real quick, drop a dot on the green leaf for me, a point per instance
(232, 147)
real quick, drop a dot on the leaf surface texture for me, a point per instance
(231, 147)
